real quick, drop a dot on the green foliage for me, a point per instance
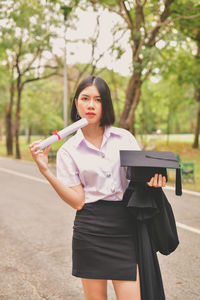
(189, 26)
(167, 104)
(40, 102)
(4, 93)
(25, 35)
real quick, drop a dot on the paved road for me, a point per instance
(35, 241)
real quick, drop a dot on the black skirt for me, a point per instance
(104, 242)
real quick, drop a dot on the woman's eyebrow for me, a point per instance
(89, 95)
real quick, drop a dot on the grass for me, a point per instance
(24, 147)
(183, 148)
(187, 154)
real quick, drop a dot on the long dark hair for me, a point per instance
(108, 116)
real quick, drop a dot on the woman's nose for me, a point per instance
(91, 103)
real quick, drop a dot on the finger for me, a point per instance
(36, 146)
(155, 180)
(160, 181)
(150, 183)
(164, 181)
(34, 143)
(46, 151)
(36, 149)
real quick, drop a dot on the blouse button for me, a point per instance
(108, 175)
(102, 155)
(113, 188)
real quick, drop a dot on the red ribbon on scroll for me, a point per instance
(56, 133)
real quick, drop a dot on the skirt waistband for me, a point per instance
(105, 218)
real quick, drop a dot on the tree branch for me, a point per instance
(128, 16)
(167, 22)
(180, 18)
(161, 19)
(38, 78)
(142, 3)
(17, 58)
(146, 75)
(140, 22)
(35, 68)
(139, 16)
(31, 62)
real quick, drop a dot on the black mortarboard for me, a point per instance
(143, 165)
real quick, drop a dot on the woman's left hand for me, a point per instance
(157, 181)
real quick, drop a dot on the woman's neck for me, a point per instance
(92, 131)
(94, 134)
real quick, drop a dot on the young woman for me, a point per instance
(90, 179)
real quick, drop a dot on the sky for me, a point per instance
(81, 52)
(85, 27)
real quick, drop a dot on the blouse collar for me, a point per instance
(109, 131)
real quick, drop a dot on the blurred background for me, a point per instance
(147, 51)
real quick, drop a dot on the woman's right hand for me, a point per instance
(40, 157)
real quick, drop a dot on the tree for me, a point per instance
(169, 91)
(7, 95)
(40, 101)
(191, 28)
(25, 40)
(148, 22)
(3, 97)
(96, 55)
(167, 104)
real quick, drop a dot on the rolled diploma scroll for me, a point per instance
(63, 133)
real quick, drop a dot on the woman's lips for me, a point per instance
(90, 114)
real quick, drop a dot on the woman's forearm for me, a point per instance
(74, 196)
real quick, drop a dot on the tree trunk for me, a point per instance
(29, 133)
(117, 103)
(168, 124)
(197, 130)
(17, 118)
(132, 98)
(9, 133)
(132, 129)
(1, 133)
(197, 96)
(116, 95)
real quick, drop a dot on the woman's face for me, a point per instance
(89, 105)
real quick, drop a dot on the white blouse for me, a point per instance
(98, 170)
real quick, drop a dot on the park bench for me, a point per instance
(187, 169)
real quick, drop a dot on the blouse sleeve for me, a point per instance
(67, 171)
(131, 142)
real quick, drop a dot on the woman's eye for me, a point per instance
(84, 98)
(98, 99)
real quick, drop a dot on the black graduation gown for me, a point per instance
(156, 231)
